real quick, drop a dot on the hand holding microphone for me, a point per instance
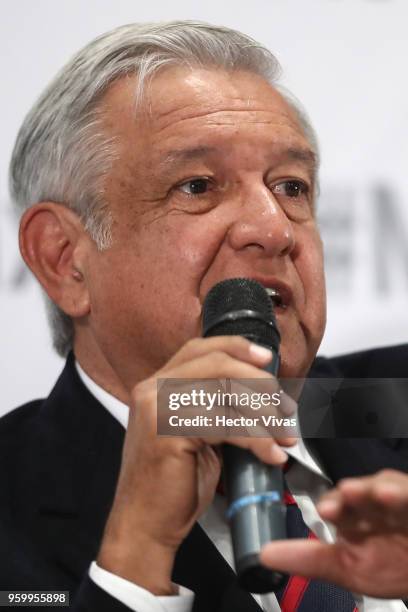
(166, 483)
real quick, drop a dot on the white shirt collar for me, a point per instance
(302, 455)
(118, 409)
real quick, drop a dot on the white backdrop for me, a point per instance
(344, 59)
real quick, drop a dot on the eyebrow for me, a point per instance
(183, 155)
(179, 156)
(306, 156)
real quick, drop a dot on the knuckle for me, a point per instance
(387, 473)
(142, 391)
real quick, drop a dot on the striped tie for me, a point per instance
(302, 594)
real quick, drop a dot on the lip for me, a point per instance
(272, 282)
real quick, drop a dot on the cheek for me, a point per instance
(114, 281)
(160, 269)
(311, 272)
(189, 243)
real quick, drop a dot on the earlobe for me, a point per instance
(50, 242)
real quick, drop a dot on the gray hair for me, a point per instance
(62, 152)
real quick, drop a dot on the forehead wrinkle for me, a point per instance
(230, 117)
(231, 104)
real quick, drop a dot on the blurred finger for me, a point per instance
(309, 558)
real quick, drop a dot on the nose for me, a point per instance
(260, 223)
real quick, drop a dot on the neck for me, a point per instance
(97, 367)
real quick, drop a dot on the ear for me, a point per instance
(53, 245)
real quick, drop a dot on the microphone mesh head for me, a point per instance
(236, 294)
(240, 294)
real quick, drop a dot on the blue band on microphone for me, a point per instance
(258, 498)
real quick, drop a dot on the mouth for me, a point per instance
(280, 293)
(276, 297)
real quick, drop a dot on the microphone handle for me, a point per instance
(256, 511)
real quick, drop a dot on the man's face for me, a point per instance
(214, 180)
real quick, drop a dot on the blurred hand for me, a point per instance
(370, 555)
(165, 483)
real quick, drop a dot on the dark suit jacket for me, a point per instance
(59, 462)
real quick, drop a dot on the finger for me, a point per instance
(354, 519)
(209, 470)
(215, 365)
(387, 485)
(288, 407)
(355, 491)
(361, 506)
(234, 346)
(309, 558)
(266, 448)
(386, 490)
(391, 488)
(314, 559)
(351, 521)
(331, 505)
(357, 495)
(390, 496)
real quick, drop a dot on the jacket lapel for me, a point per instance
(81, 446)
(200, 567)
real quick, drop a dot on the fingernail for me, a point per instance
(278, 454)
(261, 352)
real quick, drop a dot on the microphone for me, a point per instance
(256, 512)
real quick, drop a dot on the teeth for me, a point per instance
(272, 292)
(274, 295)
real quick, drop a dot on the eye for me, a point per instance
(196, 186)
(291, 189)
